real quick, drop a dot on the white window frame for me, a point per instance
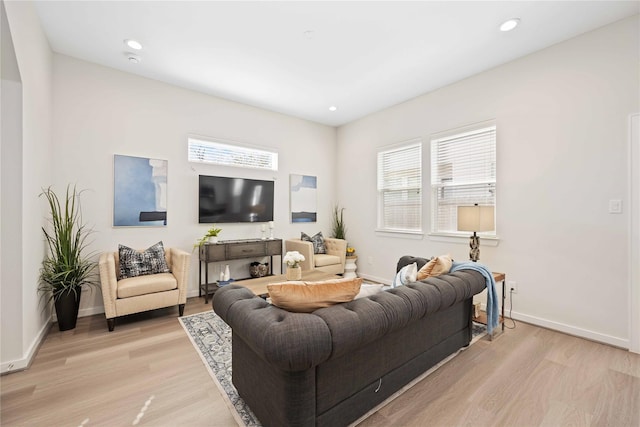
(407, 151)
(467, 190)
(219, 152)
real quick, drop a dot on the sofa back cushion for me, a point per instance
(305, 297)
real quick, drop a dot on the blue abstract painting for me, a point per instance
(304, 190)
(139, 191)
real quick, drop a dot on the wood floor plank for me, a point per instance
(561, 414)
(147, 370)
(617, 392)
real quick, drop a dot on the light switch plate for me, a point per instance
(615, 206)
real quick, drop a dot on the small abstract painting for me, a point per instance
(304, 191)
(139, 192)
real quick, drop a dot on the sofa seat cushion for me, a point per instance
(322, 260)
(147, 284)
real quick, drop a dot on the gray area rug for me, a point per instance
(211, 337)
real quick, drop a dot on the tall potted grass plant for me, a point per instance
(339, 230)
(66, 267)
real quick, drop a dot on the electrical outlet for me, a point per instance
(512, 287)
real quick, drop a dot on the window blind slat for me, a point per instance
(400, 188)
(219, 153)
(463, 172)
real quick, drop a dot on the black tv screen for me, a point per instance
(224, 199)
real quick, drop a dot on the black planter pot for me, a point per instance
(67, 306)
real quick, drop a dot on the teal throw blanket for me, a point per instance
(492, 294)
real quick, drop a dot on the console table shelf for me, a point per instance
(228, 250)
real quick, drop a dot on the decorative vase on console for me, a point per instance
(294, 273)
(293, 260)
(227, 275)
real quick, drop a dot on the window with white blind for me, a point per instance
(226, 154)
(463, 172)
(400, 188)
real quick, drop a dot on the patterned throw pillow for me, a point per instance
(317, 240)
(134, 263)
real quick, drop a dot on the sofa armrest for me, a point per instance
(290, 341)
(109, 283)
(305, 248)
(180, 269)
(337, 247)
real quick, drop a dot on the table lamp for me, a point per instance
(475, 218)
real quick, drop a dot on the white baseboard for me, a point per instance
(83, 312)
(376, 279)
(90, 311)
(21, 364)
(549, 324)
(573, 330)
(192, 293)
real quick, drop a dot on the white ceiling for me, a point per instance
(361, 56)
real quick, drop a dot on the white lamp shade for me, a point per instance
(476, 218)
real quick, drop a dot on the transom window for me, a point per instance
(463, 172)
(231, 154)
(400, 187)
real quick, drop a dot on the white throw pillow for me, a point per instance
(407, 274)
(368, 289)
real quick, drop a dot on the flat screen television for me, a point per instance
(223, 199)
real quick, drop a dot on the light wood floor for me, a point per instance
(147, 373)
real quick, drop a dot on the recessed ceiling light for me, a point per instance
(133, 44)
(133, 58)
(509, 24)
(333, 108)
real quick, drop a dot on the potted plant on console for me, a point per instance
(293, 260)
(66, 268)
(211, 236)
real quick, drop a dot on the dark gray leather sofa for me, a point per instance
(330, 367)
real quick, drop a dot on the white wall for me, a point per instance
(10, 197)
(634, 234)
(562, 117)
(99, 112)
(34, 59)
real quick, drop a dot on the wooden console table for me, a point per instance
(228, 250)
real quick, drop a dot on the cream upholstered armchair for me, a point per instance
(124, 296)
(331, 262)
